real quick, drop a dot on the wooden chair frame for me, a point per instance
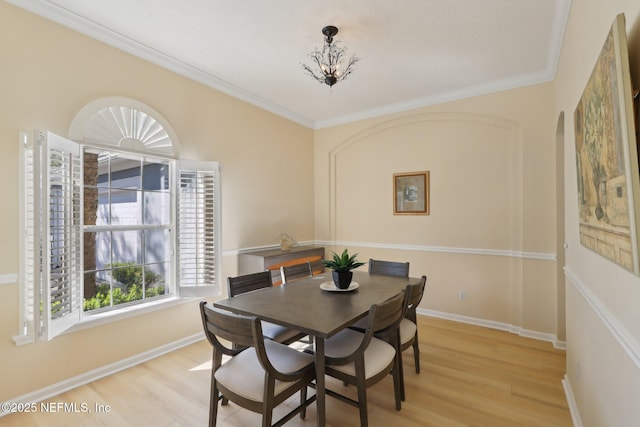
(248, 282)
(295, 271)
(416, 294)
(389, 268)
(246, 332)
(382, 317)
(254, 281)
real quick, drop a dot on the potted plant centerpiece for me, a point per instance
(342, 266)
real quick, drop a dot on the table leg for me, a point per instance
(320, 386)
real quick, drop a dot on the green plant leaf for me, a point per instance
(343, 262)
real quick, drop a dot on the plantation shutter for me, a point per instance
(199, 229)
(30, 320)
(54, 259)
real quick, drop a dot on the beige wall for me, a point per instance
(493, 200)
(603, 320)
(491, 163)
(48, 73)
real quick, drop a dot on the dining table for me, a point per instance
(313, 305)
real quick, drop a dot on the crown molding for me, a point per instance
(440, 98)
(112, 38)
(561, 16)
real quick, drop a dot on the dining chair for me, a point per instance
(385, 268)
(407, 329)
(388, 268)
(251, 282)
(260, 374)
(361, 359)
(409, 323)
(295, 271)
(290, 273)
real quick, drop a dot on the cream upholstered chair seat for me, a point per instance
(258, 374)
(408, 330)
(280, 333)
(377, 356)
(360, 359)
(244, 375)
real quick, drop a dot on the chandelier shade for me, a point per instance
(330, 65)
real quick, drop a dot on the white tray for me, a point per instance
(331, 287)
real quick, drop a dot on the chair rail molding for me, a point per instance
(543, 256)
(630, 345)
(8, 279)
(444, 249)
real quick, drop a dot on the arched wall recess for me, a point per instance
(124, 123)
(466, 178)
(362, 138)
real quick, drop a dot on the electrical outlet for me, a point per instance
(462, 295)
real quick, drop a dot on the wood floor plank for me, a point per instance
(470, 376)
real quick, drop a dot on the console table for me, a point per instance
(272, 259)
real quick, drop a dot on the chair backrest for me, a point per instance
(387, 315)
(295, 271)
(389, 268)
(416, 292)
(248, 282)
(383, 318)
(243, 332)
(234, 328)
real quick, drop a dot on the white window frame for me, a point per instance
(36, 325)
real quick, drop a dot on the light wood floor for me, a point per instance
(471, 376)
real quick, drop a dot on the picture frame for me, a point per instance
(607, 156)
(411, 193)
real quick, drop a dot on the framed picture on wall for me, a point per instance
(607, 157)
(411, 193)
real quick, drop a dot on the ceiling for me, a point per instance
(413, 52)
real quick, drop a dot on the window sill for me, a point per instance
(114, 316)
(91, 321)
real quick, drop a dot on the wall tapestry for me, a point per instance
(606, 156)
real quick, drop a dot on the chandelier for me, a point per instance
(330, 67)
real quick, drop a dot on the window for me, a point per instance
(127, 228)
(108, 228)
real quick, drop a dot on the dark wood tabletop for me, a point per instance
(304, 306)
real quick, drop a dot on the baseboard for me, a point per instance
(571, 401)
(96, 374)
(542, 336)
